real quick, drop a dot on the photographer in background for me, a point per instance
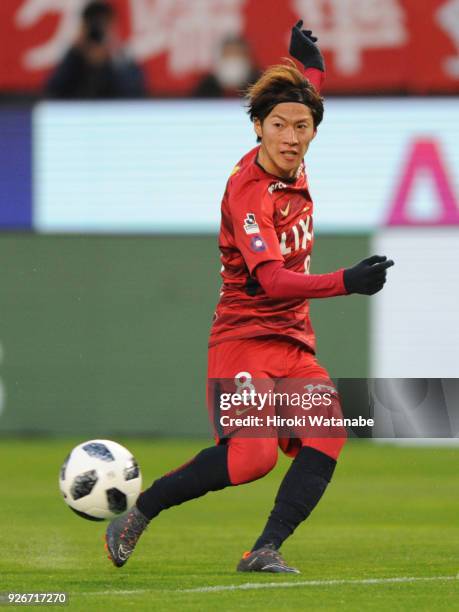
(96, 66)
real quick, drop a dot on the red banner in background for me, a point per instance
(370, 46)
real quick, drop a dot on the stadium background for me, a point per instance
(109, 211)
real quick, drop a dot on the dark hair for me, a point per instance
(98, 9)
(282, 83)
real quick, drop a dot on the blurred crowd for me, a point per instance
(98, 66)
(113, 49)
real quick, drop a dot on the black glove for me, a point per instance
(303, 48)
(368, 276)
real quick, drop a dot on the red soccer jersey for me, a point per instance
(264, 218)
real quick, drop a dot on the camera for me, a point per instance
(97, 17)
(97, 32)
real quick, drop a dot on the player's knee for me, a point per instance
(265, 459)
(251, 459)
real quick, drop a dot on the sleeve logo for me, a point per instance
(257, 244)
(250, 224)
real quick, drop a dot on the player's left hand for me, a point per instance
(303, 48)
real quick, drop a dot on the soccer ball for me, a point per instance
(100, 479)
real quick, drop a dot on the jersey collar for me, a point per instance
(298, 181)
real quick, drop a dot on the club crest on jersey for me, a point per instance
(250, 224)
(257, 244)
(276, 186)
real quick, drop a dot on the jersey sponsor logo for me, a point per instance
(284, 211)
(276, 186)
(257, 244)
(250, 224)
(299, 236)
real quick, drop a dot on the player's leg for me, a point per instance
(235, 461)
(311, 470)
(299, 493)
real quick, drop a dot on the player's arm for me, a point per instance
(367, 277)
(251, 209)
(255, 236)
(303, 47)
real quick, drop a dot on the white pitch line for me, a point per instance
(278, 585)
(305, 583)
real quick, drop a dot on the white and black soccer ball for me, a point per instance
(100, 479)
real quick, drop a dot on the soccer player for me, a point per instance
(261, 329)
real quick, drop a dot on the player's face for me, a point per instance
(285, 136)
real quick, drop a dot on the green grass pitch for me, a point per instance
(390, 513)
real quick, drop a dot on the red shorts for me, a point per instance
(270, 363)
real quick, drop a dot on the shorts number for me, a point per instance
(243, 382)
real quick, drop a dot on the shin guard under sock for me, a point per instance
(300, 491)
(208, 471)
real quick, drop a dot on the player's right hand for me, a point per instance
(368, 276)
(303, 48)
